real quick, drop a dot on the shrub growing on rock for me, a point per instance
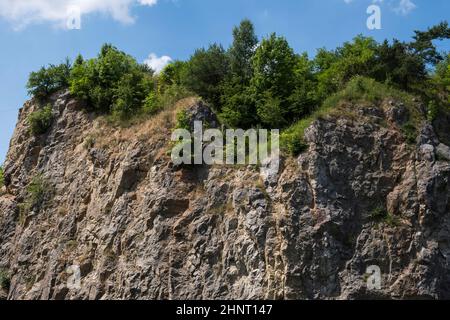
(4, 280)
(49, 80)
(41, 120)
(183, 121)
(38, 192)
(2, 180)
(112, 83)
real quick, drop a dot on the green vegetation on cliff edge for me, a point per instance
(261, 82)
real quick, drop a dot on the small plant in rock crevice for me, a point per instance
(381, 215)
(5, 280)
(38, 192)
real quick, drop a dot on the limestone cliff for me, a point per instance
(140, 228)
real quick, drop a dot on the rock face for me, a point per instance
(136, 227)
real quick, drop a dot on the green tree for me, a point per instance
(443, 72)
(237, 102)
(238, 106)
(172, 74)
(336, 68)
(304, 96)
(327, 83)
(405, 65)
(398, 66)
(242, 50)
(271, 111)
(441, 81)
(273, 67)
(423, 42)
(355, 58)
(112, 82)
(78, 60)
(131, 92)
(273, 78)
(82, 79)
(49, 80)
(205, 72)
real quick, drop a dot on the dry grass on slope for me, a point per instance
(154, 129)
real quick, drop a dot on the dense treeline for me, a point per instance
(267, 83)
(255, 82)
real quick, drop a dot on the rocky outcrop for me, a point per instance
(136, 227)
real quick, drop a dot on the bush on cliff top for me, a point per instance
(113, 82)
(363, 90)
(359, 90)
(268, 85)
(49, 80)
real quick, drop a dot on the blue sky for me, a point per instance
(33, 33)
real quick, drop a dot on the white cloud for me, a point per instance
(157, 63)
(405, 7)
(148, 2)
(24, 12)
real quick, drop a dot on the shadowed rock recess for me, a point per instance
(140, 228)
